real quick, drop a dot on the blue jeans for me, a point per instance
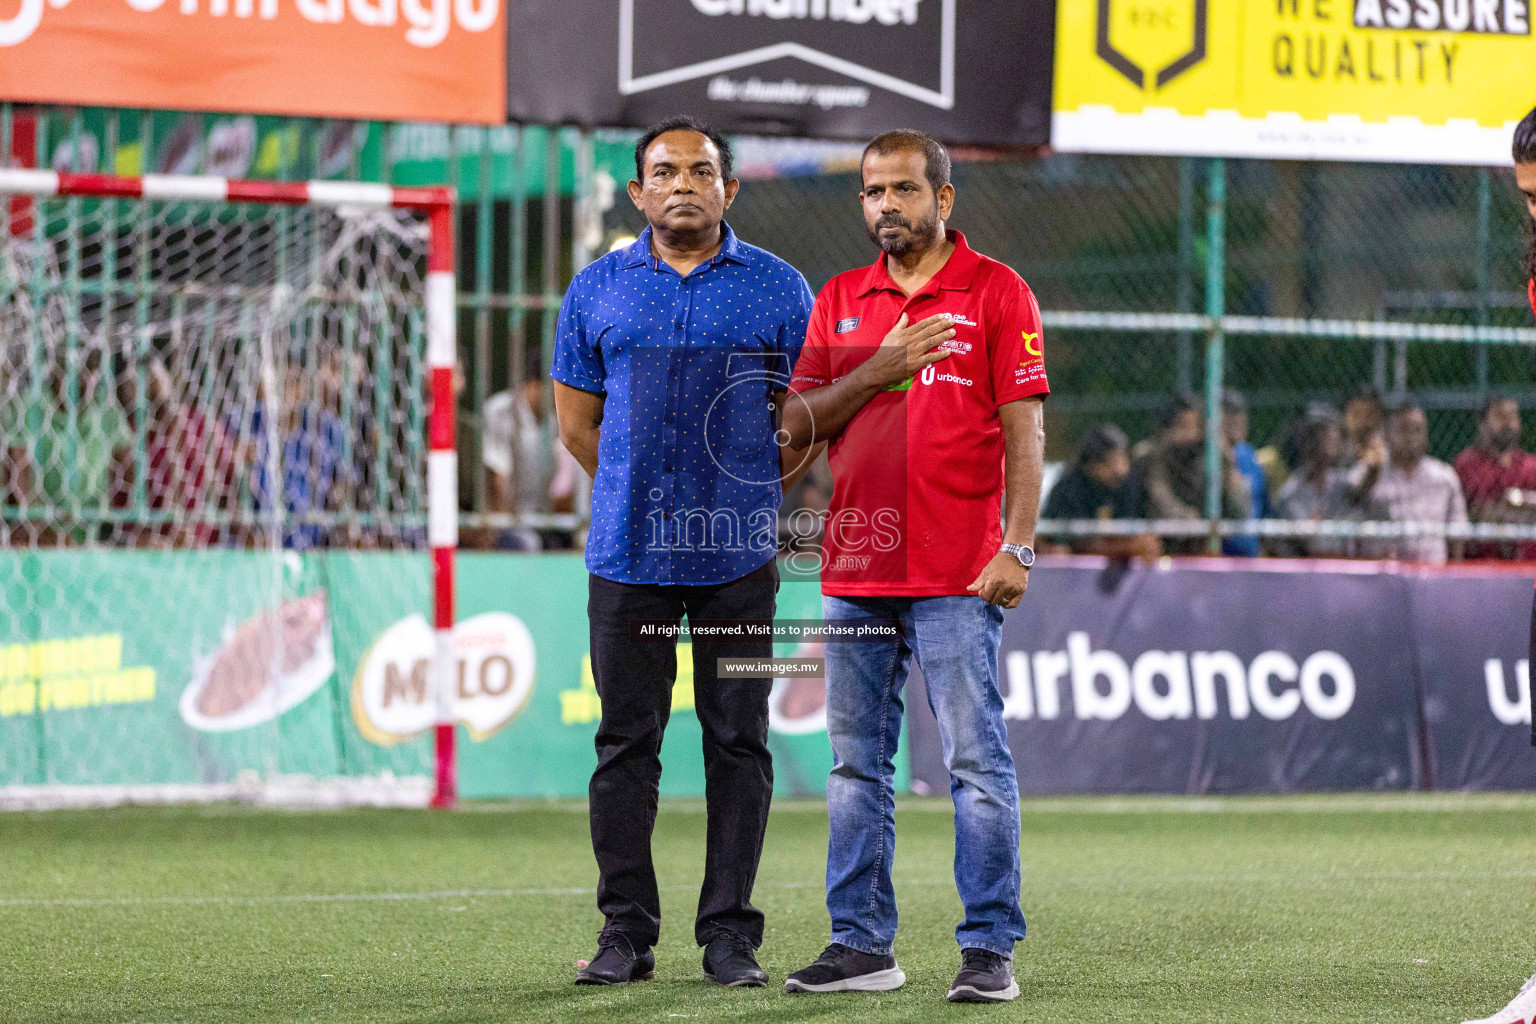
(955, 641)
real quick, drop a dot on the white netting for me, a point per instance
(213, 493)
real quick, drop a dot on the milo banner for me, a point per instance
(1412, 81)
(198, 668)
(970, 71)
(1271, 679)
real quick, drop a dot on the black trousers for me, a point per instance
(634, 680)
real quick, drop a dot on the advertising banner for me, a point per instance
(423, 60)
(124, 668)
(1412, 81)
(966, 71)
(1472, 641)
(1275, 678)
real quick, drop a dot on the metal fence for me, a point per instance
(1294, 284)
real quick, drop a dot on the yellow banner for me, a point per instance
(1423, 81)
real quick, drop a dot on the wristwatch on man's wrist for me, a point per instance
(1023, 552)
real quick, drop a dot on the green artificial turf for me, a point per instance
(1341, 909)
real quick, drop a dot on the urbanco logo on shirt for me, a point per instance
(906, 47)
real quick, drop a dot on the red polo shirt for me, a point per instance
(1485, 479)
(916, 505)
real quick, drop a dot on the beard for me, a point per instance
(900, 245)
(1503, 440)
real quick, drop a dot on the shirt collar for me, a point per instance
(731, 248)
(956, 274)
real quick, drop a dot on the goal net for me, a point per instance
(215, 491)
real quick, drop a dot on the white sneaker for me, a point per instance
(1522, 1010)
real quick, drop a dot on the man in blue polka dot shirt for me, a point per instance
(672, 359)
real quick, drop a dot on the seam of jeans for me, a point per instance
(885, 710)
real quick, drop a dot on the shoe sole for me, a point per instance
(743, 983)
(647, 976)
(972, 994)
(878, 981)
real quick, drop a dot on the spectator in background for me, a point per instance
(1319, 490)
(1415, 488)
(1098, 485)
(1234, 431)
(1171, 467)
(310, 459)
(189, 462)
(66, 464)
(1498, 478)
(1364, 415)
(531, 472)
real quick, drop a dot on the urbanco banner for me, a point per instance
(1263, 677)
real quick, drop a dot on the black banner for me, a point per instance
(1271, 679)
(966, 71)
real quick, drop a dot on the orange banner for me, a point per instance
(408, 60)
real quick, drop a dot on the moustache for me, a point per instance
(892, 220)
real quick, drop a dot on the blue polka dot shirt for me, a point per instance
(687, 489)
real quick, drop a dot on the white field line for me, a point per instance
(1121, 884)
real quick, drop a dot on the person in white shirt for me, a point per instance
(1416, 488)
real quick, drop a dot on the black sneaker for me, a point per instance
(617, 962)
(984, 977)
(729, 961)
(840, 969)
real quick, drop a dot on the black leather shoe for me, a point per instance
(729, 961)
(617, 963)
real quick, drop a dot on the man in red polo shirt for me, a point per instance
(1522, 1009)
(926, 373)
(1498, 477)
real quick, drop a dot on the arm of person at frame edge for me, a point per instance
(1003, 580)
(580, 415)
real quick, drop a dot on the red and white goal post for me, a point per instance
(433, 301)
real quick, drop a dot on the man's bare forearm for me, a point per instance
(1024, 441)
(822, 414)
(580, 415)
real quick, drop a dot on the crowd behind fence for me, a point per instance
(1245, 356)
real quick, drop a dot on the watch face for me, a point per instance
(1024, 553)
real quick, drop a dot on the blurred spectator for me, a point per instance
(188, 462)
(1319, 490)
(347, 390)
(1234, 431)
(1282, 456)
(1364, 415)
(1098, 485)
(1415, 488)
(1171, 467)
(1498, 478)
(66, 466)
(531, 473)
(310, 459)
